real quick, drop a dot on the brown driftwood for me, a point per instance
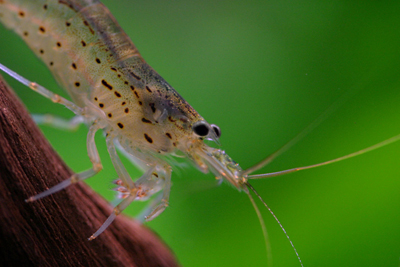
(54, 231)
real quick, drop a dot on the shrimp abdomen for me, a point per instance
(82, 35)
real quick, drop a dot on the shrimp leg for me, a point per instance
(43, 91)
(132, 195)
(117, 210)
(94, 158)
(116, 161)
(148, 210)
(165, 197)
(58, 122)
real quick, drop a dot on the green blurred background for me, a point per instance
(262, 71)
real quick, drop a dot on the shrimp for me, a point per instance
(114, 90)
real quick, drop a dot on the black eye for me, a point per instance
(201, 129)
(216, 129)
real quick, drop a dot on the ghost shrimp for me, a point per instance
(114, 90)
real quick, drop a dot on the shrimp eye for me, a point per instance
(201, 129)
(217, 130)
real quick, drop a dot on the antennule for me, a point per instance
(276, 218)
(264, 229)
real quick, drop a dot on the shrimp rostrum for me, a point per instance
(113, 89)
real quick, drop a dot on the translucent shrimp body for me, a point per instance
(112, 89)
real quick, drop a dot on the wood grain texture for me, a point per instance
(54, 231)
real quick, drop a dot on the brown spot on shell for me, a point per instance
(42, 29)
(83, 43)
(120, 125)
(41, 51)
(123, 103)
(146, 120)
(101, 105)
(51, 63)
(77, 84)
(134, 75)
(25, 33)
(87, 24)
(126, 110)
(148, 138)
(109, 86)
(58, 44)
(67, 4)
(140, 103)
(117, 94)
(45, 7)
(74, 66)
(168, 135)
(136, 94)
(153, 107)
(98, 60)
(148, 89)
(109, 115)
(171, 119)
(91, 30)
(21, 14)
(67, 24)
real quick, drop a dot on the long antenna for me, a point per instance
(264, 229)
(276, 218)
(300, 135)
(362, 151)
